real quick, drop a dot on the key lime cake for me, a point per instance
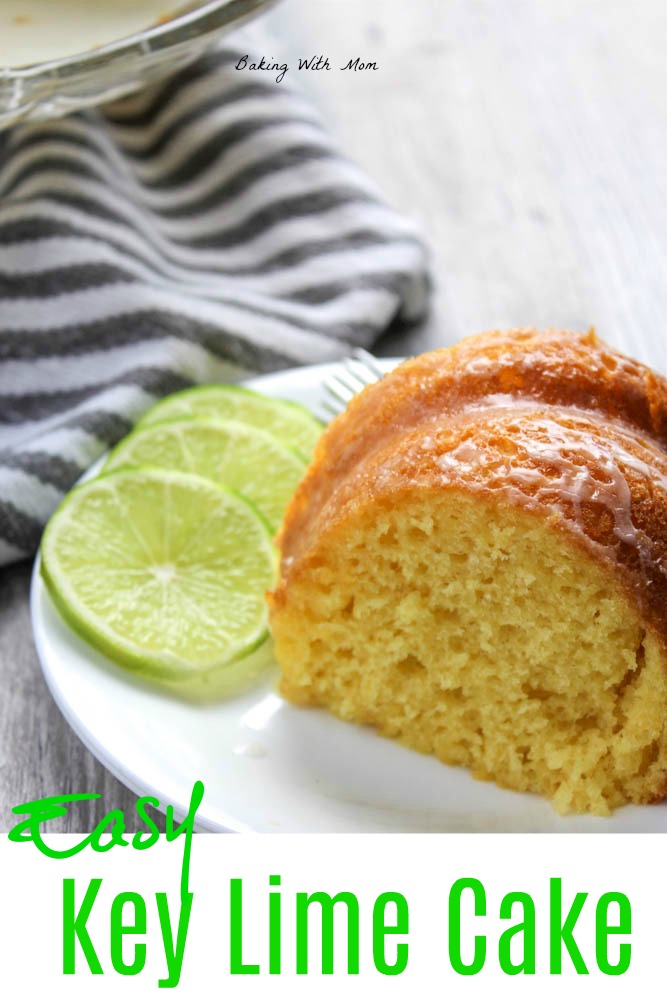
(475, 563)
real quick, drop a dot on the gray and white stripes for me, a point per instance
(199, 231)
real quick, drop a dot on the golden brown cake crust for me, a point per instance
(495, 368)
(593, 459)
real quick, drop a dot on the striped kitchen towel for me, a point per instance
(202, 230)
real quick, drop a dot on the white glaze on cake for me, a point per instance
(556, 461)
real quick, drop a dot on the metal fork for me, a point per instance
(353, 375)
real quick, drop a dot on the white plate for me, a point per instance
(270, 767)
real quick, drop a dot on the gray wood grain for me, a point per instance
(39, 753)
(529, 140)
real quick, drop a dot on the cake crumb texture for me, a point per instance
(481, 636)
(486, 582)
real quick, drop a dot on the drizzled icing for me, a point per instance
(559, 423)
(561, 460)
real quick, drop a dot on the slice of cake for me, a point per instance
(476, 564)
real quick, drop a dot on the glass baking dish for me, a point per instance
(50, 89)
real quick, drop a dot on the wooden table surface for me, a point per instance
(529, 140)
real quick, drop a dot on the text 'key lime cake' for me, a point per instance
(476, 564)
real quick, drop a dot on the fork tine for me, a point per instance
(330, 409)
(354, 374)
(357, 375)
(350, 379)
(337, 386)
(370, 364)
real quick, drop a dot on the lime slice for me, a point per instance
(241, 457)
(292, 424)
(165, 573)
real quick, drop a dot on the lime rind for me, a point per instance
(227, 452)
(232, 668)
(160, 667)
(140, 428)
(260, 438)
(289, 422)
